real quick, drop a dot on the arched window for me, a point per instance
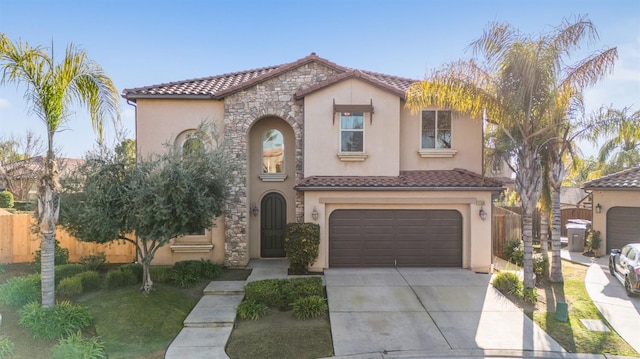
(192, 146)
(272, 152)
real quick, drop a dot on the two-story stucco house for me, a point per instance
(318, 142)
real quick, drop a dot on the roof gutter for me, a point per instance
(181, 97)
(317, 188)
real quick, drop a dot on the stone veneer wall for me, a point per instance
(274, 97)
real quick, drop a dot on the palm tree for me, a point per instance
(622, 131)
(52, 89)
(520, 86)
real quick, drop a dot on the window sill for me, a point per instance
(437, 153)
(273, 177)
(352, 157)
(192, 248)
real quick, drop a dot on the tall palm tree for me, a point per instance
(520, 84)
(621, 130)
(52, 89)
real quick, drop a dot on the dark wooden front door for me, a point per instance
(273, 218)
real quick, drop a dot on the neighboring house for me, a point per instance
(23, 176)
(318, 142)
(616, 208)
(574, 197)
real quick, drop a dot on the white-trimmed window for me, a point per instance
(272, 152)
(352, 132)
(436, 130)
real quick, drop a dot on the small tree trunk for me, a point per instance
(47, 269)
(527, 238)
(544, 235)
(147, 283)
(48, 210)
(556, 260)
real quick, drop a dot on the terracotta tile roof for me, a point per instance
(217, 87)
(627, 179)
(424, 180)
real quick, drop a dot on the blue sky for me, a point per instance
(141, 43)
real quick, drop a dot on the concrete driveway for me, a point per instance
(416, 309)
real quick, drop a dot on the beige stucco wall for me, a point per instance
(607, 200)
(258, 188)
(476, 233)
(322, 134)
(466, 140)
(159, 122)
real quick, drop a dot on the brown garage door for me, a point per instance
(403, 238)
(623, 226)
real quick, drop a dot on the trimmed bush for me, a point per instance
(135, 268)
(6, 199)
(25, 206)
(514, 252)
(252, 310)
(70, 287)
(508, 283)
(120, 278)
(77, 347)
(160, 274)
(7, 347)
(282, 293)
(1, 268)
(19, 291)
(186, 273)
(94, 261)
(61, 256)
(310, 307)
(63, 320)
(90, 280)
(301, 244)
(67, 270)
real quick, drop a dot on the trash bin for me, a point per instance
(575, 235)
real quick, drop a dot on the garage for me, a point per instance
(403, 238)
(623, 226)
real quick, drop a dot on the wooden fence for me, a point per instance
(572, 213)
(507, 225)
(18, 244)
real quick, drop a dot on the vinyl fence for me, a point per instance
(18, 244)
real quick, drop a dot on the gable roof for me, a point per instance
(457, 179)
(220, 86)
(623, 180)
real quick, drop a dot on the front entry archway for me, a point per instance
(273, 219)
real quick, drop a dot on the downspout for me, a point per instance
(135, 106)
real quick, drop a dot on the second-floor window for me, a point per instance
(436, 129)
(272, 152)
(351, 132)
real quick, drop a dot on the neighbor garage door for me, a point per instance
(623, 226)
(403, 238)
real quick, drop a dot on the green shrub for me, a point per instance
(61, 256)
(135, 268)
(593, 240)
(19, 291)
(1, 268)
(90, 280)
(508, 283)
(7, 347)
(186, 273)
(94, 261)
(310, 307)
(250, 309)
(6, 199)
(160, 274)
(301, 244)
(67, 270)
(265, 291)
(529, 295)
(63, 320)
(209, 270)
(282, 293)
(120, 278)
(77, 347)
(540, 266)
(70, 287)
(24, 206)
(514, 252)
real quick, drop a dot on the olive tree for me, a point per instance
(148, 202)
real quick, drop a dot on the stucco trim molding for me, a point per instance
(273, 177)
(437, 153)
(192, 248)
(352, 157)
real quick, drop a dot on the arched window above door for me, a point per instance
(273, 156)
